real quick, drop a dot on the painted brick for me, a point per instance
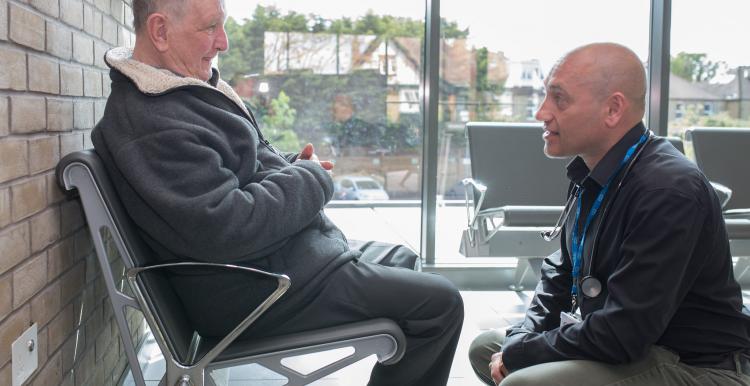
(109, 30)
(83, 49)
(42, 342)
(71, 218)
(59, 114)
(3, 20)
(71, 80)
(4, 123)
(51, 374)
(6, 288)
(123, 37)
(99, 50)
(71, 12)
(13, 159)
(29, 278)
(128, 16)
(83, 114)
(84, 368)
(26, 27)
(49, 7)
(13, 63)
(87, 144)
(98, 20)
(71, 349)
(45, 229)
(44, 75)
(88, 19)
(99, 107)
(27, 114)
(55, 193)
(70, 143)
(14, 242)
(5, 375)
(10, 329)
(102, 5)
(60, 257)
(59, 40)
(45, 153)
(4, 207)
(92, 83)
(72, 282)
(60, 328)
(106, 85)
(28, 197)
(117, 10)
(85, 248)
(47, 304)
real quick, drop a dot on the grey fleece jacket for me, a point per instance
(199, 180)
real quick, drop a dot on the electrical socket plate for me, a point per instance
(25, 361)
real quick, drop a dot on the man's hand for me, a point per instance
(308, 153)
(497, 368)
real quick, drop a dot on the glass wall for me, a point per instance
(709, 84)
(494, 58)
(346, 77)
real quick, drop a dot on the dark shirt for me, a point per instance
(663, 259)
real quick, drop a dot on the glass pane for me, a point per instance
(494, 58)
(709, 84)
(344, 76)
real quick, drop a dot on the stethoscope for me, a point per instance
(590, 286)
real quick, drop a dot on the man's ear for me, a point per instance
(156, 27)
(616, 106)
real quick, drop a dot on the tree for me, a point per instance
(694, 67)
(278, 123)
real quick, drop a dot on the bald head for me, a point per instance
(608, 68)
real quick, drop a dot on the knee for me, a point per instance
(483, 346)
(447, 295)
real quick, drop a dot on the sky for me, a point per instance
(546, 29)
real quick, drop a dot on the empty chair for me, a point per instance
(722, 154)
(515, 193)
(188, 356)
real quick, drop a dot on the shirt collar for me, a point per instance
(579, 173)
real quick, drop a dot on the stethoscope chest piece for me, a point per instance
(591, 287)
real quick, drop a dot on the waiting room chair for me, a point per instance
(515, 193)
(723, 154)
(188, 356)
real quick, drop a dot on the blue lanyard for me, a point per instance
(578, 243)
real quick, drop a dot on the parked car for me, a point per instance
(358, 188)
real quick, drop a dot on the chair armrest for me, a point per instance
(724, 193)
(283, 285)
(535, 216)
(743, 213)
(738, 228)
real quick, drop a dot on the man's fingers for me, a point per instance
(307, 151)
(327, 165)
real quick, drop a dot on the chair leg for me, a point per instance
(524, 266)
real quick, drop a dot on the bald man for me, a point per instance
(641, 290)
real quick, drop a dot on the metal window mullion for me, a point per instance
(430, 90)
(658, 66)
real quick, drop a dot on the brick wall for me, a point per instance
(53, 86)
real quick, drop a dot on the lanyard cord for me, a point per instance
(578, 243)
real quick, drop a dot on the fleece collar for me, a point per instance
(155, 81)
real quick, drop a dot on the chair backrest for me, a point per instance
(110, 223)
(508, 158)
(677, 143)
(723, 154)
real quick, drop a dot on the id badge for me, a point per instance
(568, 318)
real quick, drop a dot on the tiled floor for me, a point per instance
(483, 310)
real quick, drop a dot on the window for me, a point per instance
(707, 65)
(344, 76)
(494, 59)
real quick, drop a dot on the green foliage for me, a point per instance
(694, 67)
(693, 117)
(278, 124)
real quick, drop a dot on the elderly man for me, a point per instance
(643, 255)
(201, 182)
